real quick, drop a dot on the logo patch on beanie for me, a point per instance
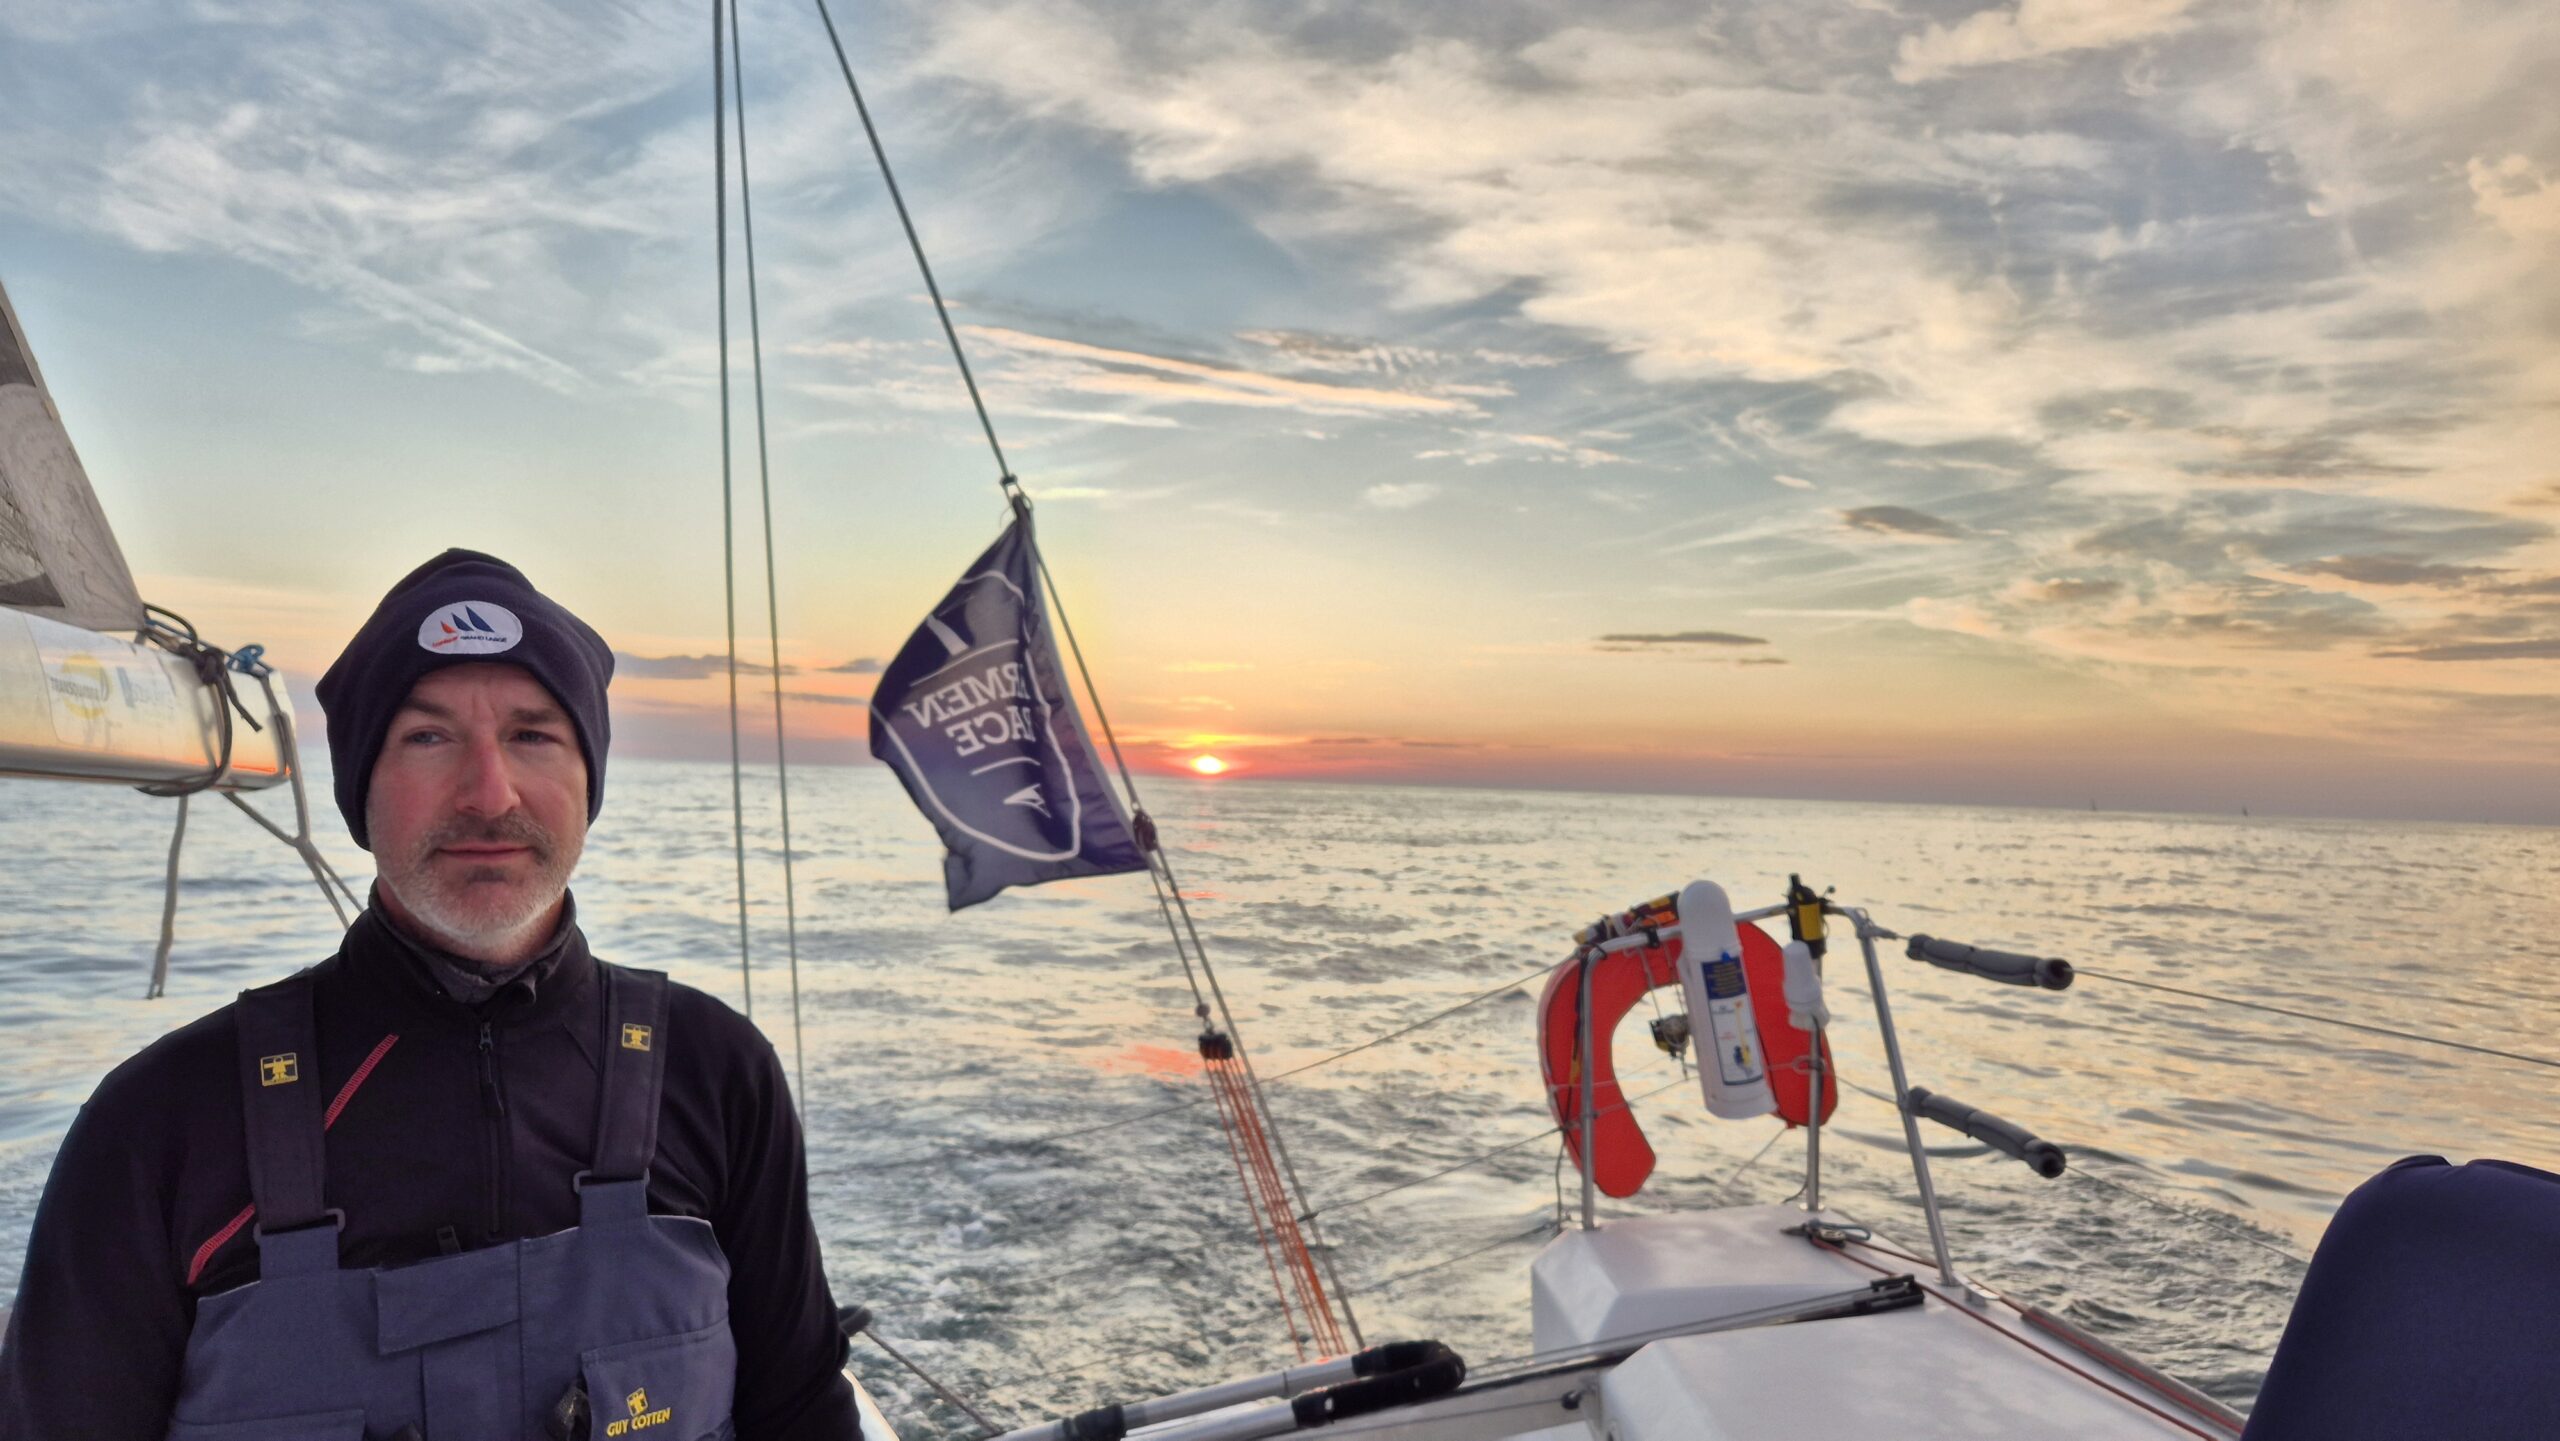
(473, 627)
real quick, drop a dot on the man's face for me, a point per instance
(478, 810)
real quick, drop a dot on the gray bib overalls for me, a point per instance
(630, 1309)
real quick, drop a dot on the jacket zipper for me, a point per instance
(493, 1105)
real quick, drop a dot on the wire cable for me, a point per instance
(1403, 1031)
(1543, 1228)
(898, 198)
(1022, 509)
(772, 601)
(2314, 1016)
(1478, 1160)
(728, 505)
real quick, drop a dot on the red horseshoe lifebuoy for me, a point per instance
(1624, 1157)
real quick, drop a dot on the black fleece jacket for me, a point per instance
(466, 1133)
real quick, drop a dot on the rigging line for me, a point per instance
(728, 508)
(772, 601)
(1191, 1103)
(1502, 1150)
(899, 199)
(975, 1147)
(945, 1392)
(1543, 1228)
(1404, 1031)
(1013, 490)
(1159, 860)
(2420, 1038)
(1773, 1140)
(2202, 1214)
(1157, 1347)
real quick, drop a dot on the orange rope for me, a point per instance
(1294, 1277)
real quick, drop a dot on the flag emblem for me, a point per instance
(975, 717)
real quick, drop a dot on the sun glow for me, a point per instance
(1208, 765)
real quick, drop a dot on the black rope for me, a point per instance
(2314, 1016)
(176, 634)
(772, 600)
(924, 266)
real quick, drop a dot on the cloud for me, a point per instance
(1901, 522)
(2064, 589)
(1144, 378)
(687, 667)
(1398, 495)
(2034, 29)
(859, 665)
(2516, 196)
(821, 698)
(1682, 637)
(2394, 570)
(1489, 447)
(1793, 482)
(2546, 648)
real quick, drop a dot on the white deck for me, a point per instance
(1945, 1369)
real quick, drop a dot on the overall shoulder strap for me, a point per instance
(280, 1101)
(634, 1072)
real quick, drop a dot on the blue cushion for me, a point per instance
(2432, 1308)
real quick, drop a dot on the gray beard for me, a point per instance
(456, 920)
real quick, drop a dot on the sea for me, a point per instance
(1011, 1158)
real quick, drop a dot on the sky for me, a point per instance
(2145, 404)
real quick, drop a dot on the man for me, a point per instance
(312, 1215)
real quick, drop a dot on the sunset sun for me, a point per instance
(1208, 765)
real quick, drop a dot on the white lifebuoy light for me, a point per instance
(1731, 1066)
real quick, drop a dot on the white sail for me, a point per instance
(81, 698)
(58, 559)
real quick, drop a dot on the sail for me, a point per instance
(58, 559)
(975, 717)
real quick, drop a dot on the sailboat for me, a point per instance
(1792, 1319)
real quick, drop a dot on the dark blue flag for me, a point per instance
(975, 717)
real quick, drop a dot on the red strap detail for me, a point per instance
(204, 1253)
(347, 1092)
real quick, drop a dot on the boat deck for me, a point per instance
(1963, 1363)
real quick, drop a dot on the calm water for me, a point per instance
(944, 1053)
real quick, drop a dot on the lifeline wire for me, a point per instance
(2422, 1039)
(772, 604)
(728, 507)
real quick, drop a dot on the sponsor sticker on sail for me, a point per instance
(975, 717)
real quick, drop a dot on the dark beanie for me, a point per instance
(459, 608)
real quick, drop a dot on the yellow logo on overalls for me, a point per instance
(635, 1038)
(281, 1070)
(641, 1416)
